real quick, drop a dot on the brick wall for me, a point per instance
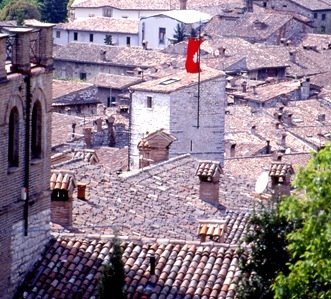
(17, 251)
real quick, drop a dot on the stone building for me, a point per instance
(25, 121)
(192, 112)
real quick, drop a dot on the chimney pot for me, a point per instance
(253, 129)
(182, 4)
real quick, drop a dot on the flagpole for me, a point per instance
(199, 70)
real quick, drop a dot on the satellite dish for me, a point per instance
(262, 182)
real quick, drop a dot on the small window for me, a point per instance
(36, 129)
(91, 37)
(13, 138)
(108, 39)
(149, 102)
(323, 16)
(107, 12)
(75, 35)
(323, 29)
(264, 4)
(162, 32)
(82, 76)
(58, 34)
(128, 41)
(315, 15)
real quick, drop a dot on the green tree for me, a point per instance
(54, 11)
(113, 279)
(309, 273)
(180, 33)
(20, 10)
(267, 254)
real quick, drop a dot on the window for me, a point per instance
(36, 130)
(108, 39)
(13, 138)
(149, 102)
(58, 34)
(107, 12)
(82, 76)
(323, 29)
(323, 16)
(162, 32)
(128, 41)
(75, 35)
(143, 31)
(91, 37)
(315, 15)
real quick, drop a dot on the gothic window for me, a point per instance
(36, 131)
(13, 140)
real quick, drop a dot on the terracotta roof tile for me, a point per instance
(280, 169)
(208, 169)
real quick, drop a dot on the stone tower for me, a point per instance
(25, 122)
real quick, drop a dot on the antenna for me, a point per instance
(262, 182)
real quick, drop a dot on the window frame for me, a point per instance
(75, 36)
(91, 37)
(323, 17)
(83, 76)
(58, 34)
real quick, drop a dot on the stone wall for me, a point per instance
(177, 113)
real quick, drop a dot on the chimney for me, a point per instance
(305, 89)
(293, 55)
(87, 132)
(209, 175)
(288, 119)
(182, 4)
(111, 133)
(233, 150)
(253, 130)
(98, 123)
(62, 185)
(282, 140)
(277, 125)
(249, 5)
(321, 117)
(44, 51)
(3, 72)
(280, 174)
(244, 86)
(21, 50)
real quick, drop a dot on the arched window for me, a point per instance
(13, 138)
(36, 131)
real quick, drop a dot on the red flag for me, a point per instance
(192, 64)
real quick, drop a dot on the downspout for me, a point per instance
(27, 81)
(130, 125)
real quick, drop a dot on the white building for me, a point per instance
(130, 9)
(175, 103)
(159, 30)
(99, 30)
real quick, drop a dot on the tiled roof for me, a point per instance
(154, 4)
(256, 26)
(122, 56)
(71, 268)
(156, 139)
(314, 4)
(317, 41)
(178, 80)
(115, 81)
(157, 201)
(279, 169)
(64, 87)
(102, 24)
(62, 179)
(208, 169)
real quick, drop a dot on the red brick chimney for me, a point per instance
(209, 174)
(62, 185)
